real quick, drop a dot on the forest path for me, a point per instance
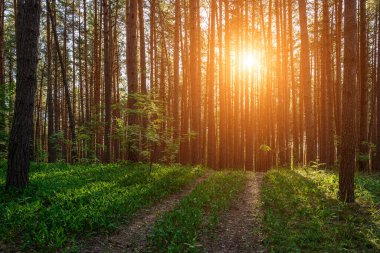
(132, 237)
(239, 229)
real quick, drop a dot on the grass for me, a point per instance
(303, 214)
(65, 202)
(180, 229)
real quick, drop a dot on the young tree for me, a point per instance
(347, 163)
(27, 33)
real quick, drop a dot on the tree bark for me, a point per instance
(27, 33)
(107, 81)
(305, 82)
(347, 163)
(132, 76)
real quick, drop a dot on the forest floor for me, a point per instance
(240, 229)
(303, 214)
(128, 208)
(132, 237)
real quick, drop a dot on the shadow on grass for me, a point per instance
(52, 211)
(303, 214)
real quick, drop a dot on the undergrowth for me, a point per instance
(179, 230)
(65, 202)
(303, 214)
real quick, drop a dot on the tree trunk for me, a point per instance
(132, 76)
(377, 158)
(27, 33)
(195, 98)
(363, 117)
(347, 163)
(107, 81)
(305, 82)
(3, 131)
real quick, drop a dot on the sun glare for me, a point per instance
(251, 61)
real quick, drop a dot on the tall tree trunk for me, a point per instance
(52, 156)
(176, 94)
(107, 80)
(3, 132)
(132, 75)
(377, 158)
(347, 162)
(338, 79)
(327, 93)
(27, 33)
(211, 142)
(295, 134)
(363, 82)
(195, 98)
(305, 82)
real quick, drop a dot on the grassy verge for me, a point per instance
(64, 202)
(179, 229)
(302, 213)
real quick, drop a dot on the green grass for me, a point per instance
(180, 229)
(303, 214)
(65, 202)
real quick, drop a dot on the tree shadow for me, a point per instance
(304, 215)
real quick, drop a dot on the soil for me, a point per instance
(239, 229)
(132, 237)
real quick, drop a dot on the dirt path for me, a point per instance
(239, 229)
(132, 237)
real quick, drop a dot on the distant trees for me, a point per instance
(27, 33)
(229, 84)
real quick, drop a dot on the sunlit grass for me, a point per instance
(180, 229)
(303, 214)
(65, 202)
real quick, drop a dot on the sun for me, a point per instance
(251, 61)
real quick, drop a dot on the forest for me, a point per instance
(190, 126)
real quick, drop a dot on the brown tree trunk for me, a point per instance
(27, 33)
(132, 75)
(377, 157)
(195, 87)
(176, 94)
(305, 82)
(2, 81)
(52, 156)
(347, 163)
(363, 82)
(107, 80)
(211, 142)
